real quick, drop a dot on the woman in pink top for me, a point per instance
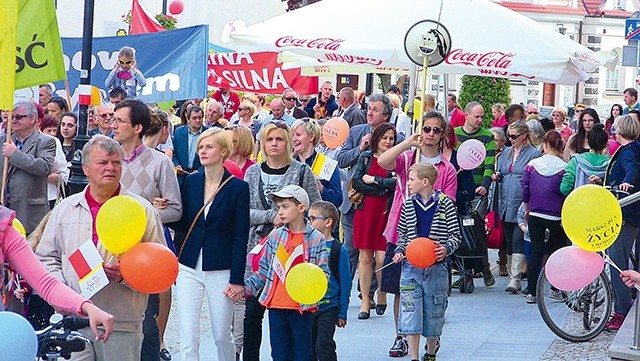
(398, 159)
(16, 252)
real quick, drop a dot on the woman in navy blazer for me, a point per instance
(213, 257)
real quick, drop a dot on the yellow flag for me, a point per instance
(8, 34)
(318, 164)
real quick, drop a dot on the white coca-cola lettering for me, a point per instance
(319, 43)
(491, 59)
(350, 59)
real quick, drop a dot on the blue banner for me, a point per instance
(173, 62)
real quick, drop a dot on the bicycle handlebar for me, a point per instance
(61, 338)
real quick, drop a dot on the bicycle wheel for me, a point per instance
(575, 316)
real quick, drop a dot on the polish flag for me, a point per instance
(142, 21)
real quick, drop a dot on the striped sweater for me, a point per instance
(482, 174)
(444, 228)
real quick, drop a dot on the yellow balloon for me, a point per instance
(19, 227)
(306, 283)
(592, 217)
(120, 224)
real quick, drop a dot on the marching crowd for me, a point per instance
(237, 192)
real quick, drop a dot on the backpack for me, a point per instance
(584, 169)
(334, 258)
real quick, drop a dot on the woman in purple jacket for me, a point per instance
(543, 202)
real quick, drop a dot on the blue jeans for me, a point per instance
(290, 333)
(423, 299)
(620, 252)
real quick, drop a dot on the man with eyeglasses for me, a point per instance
(185, 157)
(149, 174)
(31, 156)
(289, 98)
(532, 109)
(104, 116)
(215, 111)
(472, 129)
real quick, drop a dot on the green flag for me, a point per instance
(39, 49)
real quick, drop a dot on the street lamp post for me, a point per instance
(78, 180)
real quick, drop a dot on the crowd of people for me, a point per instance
(237, 229)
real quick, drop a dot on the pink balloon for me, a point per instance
(233, 168)
(176, 7)
(471, 154)
(572, 268)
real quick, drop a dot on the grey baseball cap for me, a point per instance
(292, 191)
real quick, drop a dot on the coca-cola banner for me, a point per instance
(257, 73)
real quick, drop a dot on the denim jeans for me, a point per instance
(253, 315)
(290, 333)
(322, 333)
(620, 252)
(557, 239)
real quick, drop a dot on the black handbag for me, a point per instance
(474, 237)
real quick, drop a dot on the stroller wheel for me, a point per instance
(467, 285)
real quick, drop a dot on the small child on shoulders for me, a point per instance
(290, 323)
(423, 291)
(332, 309)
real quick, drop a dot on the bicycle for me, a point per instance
(60, 339)
(581, 315)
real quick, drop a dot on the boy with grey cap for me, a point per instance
(289, 322)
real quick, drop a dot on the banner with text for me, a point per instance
(257, 73)
(174, 63)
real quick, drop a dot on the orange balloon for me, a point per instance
(335, 132)
(421, 252)
(149, 267)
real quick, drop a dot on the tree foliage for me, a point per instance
(486, 91)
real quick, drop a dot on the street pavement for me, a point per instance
(488, 324)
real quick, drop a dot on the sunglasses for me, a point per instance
(313, 218)
(241, 109)
(289, 98)
(282, 125)
(514, 136)
(125, 62)
(428, 129)
(20, 116)
(106, 115)
(533, 113)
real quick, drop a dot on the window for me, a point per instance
(612, 80)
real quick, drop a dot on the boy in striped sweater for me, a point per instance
(423, 292)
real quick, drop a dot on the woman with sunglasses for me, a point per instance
(278, 169)
(399, 159)
(558, 116)
(125, 75)
(245, 113)
(509, 169)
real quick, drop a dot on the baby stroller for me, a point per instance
(473, 246)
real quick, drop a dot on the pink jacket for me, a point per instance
(447, 182)
(15, 250)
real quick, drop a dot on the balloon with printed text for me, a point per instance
(306, 283)
(120, 223)
(335, 132)
(149, 267)
(591, 217)
(421, 252)
(471, 154)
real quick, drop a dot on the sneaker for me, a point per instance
(615, 322)
(557, 295)
(426, 346)
(400, 347)
(489, 281)
(531, 299)
(428, 357)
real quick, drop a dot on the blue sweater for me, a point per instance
(624, 167)
(338, 292)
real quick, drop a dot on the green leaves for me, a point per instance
(486, 91)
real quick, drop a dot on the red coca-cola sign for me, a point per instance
(319, 43)
(349, 59)
(491, 59)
